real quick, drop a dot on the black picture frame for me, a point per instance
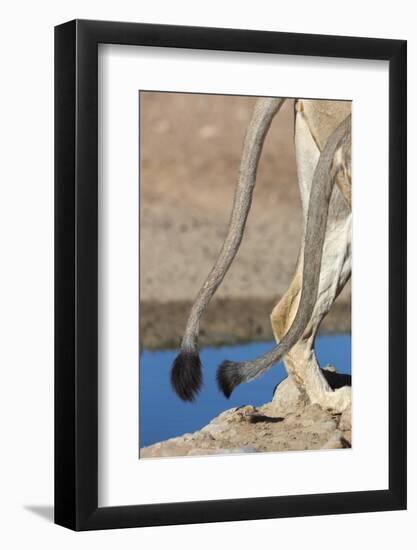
(76, 272)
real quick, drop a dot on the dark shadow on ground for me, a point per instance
(257, 418)
(337, 380)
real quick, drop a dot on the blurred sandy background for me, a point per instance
(189, 160)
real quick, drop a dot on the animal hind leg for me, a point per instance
(282, 317)
(301, 362)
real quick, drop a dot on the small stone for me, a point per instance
(335, 441)
(328, 425)
(345, 423)
(330, 368)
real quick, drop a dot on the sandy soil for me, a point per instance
(190, 152)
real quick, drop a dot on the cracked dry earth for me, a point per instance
(284, 424)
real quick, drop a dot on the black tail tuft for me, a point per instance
(228, 377)
(186, 377)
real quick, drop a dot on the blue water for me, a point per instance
(164, 415)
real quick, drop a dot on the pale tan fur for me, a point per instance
(315, 121)
(323, 117)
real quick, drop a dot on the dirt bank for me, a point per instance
(227, 321)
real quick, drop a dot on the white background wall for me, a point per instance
(26, 285)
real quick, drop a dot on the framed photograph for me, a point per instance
(230, 256)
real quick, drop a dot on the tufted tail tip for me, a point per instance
(229, 375)
(186, 375)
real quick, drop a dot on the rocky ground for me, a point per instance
(284, 424)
